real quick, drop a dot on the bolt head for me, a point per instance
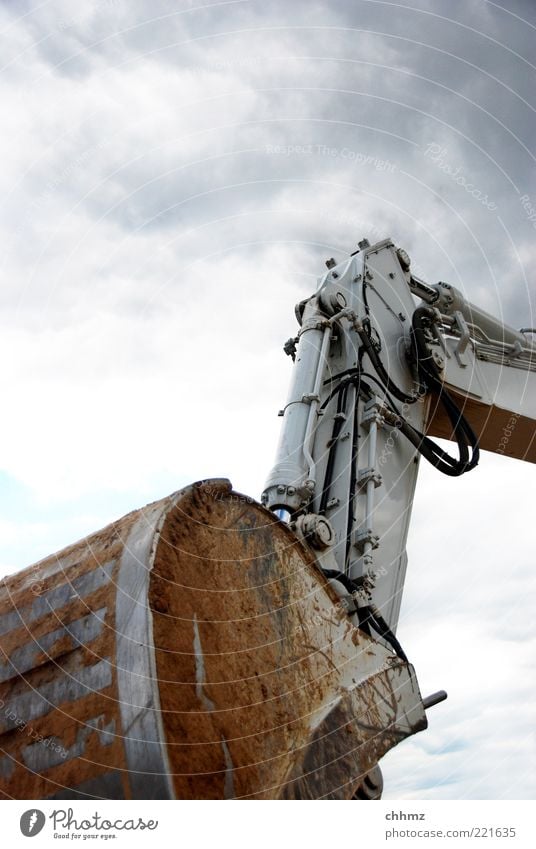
(404, 258)
(438, 359)
(323, 533)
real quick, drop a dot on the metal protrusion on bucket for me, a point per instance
(434, 699)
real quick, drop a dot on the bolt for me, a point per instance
(323, 534)
(438, 359)
(404, 259)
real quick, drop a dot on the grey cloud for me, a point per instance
(175, 180)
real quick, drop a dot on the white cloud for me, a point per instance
(155, 242)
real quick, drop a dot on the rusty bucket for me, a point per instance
(191, 650)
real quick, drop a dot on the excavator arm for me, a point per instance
(207, 646)
(384, 362)
(488, 368)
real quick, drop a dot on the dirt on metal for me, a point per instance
(246, 680)
(64, 721)
(248, 648)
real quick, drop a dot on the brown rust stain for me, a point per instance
(350, 741)
(251, 589)
(244, 630)
(488, 422)
(67, 720)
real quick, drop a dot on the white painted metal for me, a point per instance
(375, 467)
(377, 510)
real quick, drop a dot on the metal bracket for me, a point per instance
(365, 535)
(366, 475)
(516, 350)
(290, 347)
(316, 530)
(465, 338)
(305, 399)
(439, 335)
(372, 413)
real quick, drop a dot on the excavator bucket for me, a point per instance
(192, 650)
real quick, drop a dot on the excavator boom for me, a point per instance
(207, 646)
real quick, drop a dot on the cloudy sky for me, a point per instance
(174, 176)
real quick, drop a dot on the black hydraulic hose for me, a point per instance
(382, 387)
(381, 627)
(380, 369)
(430, 382)
(430, 450)
(348, 371)
(339, 388)
(433, 453)
(335, 575)
(368, 615)
(337, 427)
(429, 374)
(353, 477)
(365, 627)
